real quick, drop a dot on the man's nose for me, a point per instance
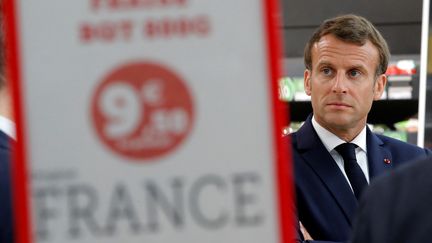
(339, 83)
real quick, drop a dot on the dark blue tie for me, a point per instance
(352, 169)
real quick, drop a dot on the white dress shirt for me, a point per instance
(331, 141)
(7, 126)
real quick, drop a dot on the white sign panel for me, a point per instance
(147, 121)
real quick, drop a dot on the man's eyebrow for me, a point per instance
(359, 66)
(324, 63)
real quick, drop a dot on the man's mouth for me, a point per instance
(340, 105)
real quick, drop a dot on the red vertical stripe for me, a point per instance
(283, 170)
(19, 163)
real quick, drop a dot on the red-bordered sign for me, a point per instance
(21, 168)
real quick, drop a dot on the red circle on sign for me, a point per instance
(142, 110)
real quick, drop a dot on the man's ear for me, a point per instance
(380, 84)
(307, 82)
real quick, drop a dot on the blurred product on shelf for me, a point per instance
(384, 130)
(402, 67)
(293, 127)
(410, 125)
(292, 89)
(402, 78)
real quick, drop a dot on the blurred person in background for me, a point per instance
(335, 154)
(397, 207)
(7, 135)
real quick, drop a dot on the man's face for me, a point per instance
(343, 83)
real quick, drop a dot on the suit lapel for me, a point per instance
(4, 141)
(377, 155)
(316, 155)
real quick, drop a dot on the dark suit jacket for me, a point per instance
(397, 207)
(325, 203)
(5, 191)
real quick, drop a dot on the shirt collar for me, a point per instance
(331, 141)
(7, 126)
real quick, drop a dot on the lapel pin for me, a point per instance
(387, 161)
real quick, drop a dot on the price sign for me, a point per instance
(148, 121)
(142, 110)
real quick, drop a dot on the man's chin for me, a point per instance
(338, 120)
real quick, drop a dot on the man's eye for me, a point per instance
(354, 73)
(327, 71)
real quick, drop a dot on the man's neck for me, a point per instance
(6, 104)
(346, 134)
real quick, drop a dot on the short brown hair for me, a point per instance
(353, 29)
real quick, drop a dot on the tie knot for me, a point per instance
(347, 151)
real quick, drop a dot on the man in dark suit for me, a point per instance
(335, 153)
(7, 133)
(5, 190)
(397, 206)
